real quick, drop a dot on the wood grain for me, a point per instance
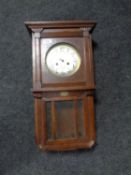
(71, 128)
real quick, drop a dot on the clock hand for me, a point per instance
(61, 60)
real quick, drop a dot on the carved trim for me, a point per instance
(37, 94)
(36, 59)
(60, 24)
(86, 31)
(35, 30)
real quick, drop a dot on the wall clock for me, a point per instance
(63, 84)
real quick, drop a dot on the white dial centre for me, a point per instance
(63, 60)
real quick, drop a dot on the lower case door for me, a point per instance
(67, 123)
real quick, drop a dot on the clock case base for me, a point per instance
(64, 112)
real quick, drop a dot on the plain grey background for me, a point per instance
(111, 155)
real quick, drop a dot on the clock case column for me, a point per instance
(57, 92)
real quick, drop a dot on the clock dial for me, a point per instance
(63, 60)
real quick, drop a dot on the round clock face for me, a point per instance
(63, 60)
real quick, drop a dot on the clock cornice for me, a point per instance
(60, 24)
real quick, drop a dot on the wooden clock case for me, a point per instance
(64, 106)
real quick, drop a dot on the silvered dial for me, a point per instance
(63, 60)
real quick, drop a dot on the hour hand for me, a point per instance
(61, 60)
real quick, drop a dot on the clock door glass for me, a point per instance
(63, 60)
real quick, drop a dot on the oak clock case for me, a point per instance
(63, 84)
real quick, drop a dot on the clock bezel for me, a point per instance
(68, 46)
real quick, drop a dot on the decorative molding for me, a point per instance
(34, 25)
